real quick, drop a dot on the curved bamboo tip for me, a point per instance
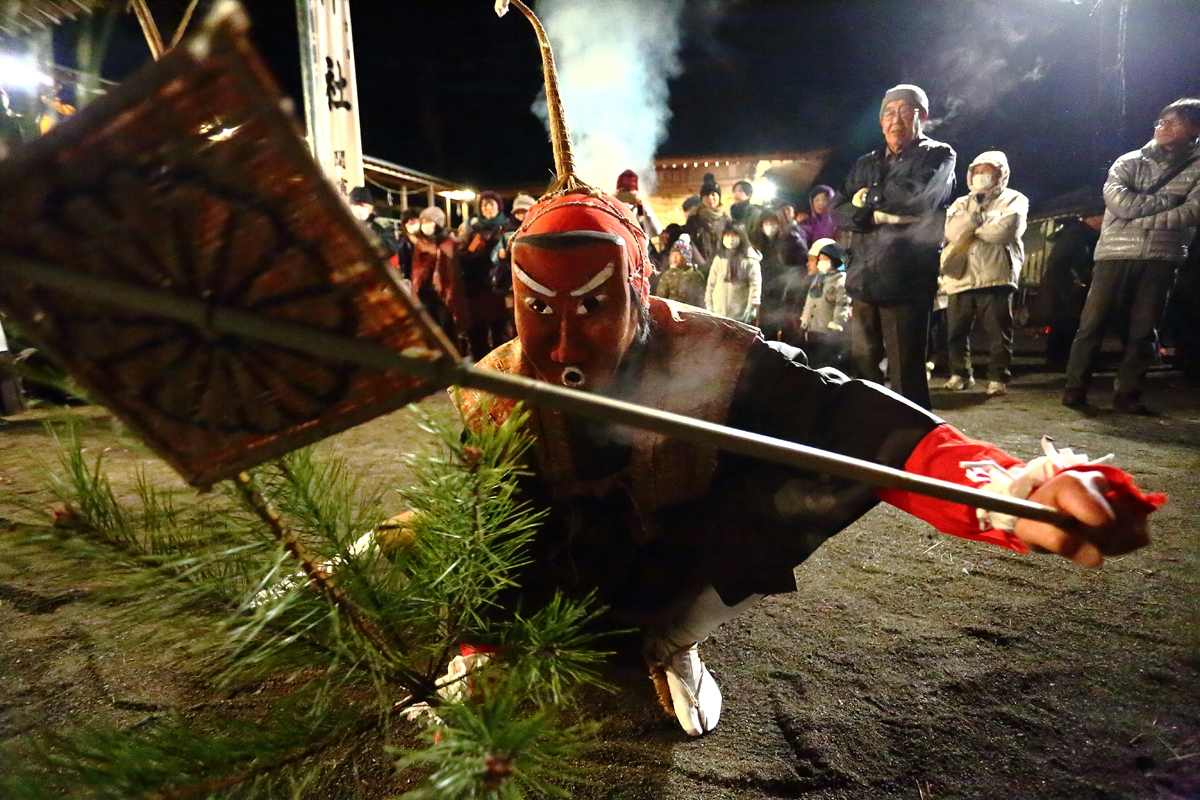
(501, 7)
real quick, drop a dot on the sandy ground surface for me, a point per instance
(907, 665)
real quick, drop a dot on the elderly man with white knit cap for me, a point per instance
(894, 202)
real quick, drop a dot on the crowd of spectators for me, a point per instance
(853, 277)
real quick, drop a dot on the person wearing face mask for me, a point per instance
(734, 287)
(362, 206)
(1152, 197)
(489, 317)
(827, 310)
(981, 264)
(706, 225)
(894, 203)
(410, 229)
(783, 250)
(436, 280)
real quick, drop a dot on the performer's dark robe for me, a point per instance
(650, 521)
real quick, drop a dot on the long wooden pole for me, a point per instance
(441, 371)
(149, 28)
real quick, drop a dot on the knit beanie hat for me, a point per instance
(523, 202)
(818, 246)
(683, 245)
(690, 203)
(627, 181)
(906, 91)
(710, 185)
(834, 252)
(435, 214)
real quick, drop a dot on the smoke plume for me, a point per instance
(614, 60)
(980, 60)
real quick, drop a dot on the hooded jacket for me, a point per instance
(998, 219)
(820, 226)
(897, 264)
(734, 281)
(1146, 222)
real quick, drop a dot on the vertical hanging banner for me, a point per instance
(331, 90)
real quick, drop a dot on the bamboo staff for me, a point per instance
(441, 371)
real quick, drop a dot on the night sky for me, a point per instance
(446, 87)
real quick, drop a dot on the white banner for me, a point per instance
(331, 97)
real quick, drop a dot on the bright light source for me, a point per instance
(765, 190)
(21, 73)
(458, 194)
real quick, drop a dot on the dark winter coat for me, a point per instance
(706, 227)
(897, 264)
(436, 279)
(475, 252)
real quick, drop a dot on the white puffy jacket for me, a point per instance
(732, 298)
(1144, 225)
(998, 252)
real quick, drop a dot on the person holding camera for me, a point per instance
(894, 202)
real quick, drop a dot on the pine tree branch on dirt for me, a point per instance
(341, 635)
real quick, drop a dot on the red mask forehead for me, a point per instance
(571, 271)
(597, 213)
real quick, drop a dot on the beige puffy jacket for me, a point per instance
(1144, 225)
(997, 253)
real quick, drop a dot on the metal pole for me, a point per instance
(441, 371)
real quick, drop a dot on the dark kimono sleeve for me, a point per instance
(768, 518)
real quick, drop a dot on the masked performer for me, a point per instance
(677, 538)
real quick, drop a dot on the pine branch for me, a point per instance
(418, 684)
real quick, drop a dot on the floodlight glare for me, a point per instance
(21, 73)
(764, 190)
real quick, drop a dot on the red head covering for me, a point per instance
(627, 181)
(594, 211)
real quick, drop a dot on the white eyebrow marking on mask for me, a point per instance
(520, 275)
(599, 278)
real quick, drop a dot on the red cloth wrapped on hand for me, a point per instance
(949, 455)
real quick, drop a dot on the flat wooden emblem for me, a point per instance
(192, 179)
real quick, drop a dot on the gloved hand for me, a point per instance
(860, 198)
(751, 314)
(884, 218)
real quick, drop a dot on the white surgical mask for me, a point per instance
(360, 212)
(730, 242)
(769, 230)
(982, 181)
(412, 227)
(429, 228)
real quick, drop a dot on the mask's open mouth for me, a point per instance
(573, 378)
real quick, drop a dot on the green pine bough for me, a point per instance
(280, 584)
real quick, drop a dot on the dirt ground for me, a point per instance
(907, 665)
